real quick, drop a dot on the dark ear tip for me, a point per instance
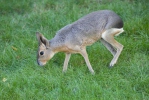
(37, 33)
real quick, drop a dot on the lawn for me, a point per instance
(22, 79)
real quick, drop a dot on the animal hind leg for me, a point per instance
(108, 46)
(108, 36)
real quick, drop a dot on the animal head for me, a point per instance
(44, 52)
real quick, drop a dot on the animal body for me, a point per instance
(100, 25)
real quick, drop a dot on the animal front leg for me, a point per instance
(66, 62)
(85, 55)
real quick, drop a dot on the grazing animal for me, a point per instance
(100, 25)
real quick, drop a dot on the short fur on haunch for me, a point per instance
(100, 25)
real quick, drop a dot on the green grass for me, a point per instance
(22, 79)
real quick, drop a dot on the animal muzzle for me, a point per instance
(41, 63)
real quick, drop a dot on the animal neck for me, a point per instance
(57, 46)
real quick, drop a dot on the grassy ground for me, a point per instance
(22, 79)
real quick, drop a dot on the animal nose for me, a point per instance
(38, 62)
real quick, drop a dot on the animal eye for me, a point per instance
(41, 53)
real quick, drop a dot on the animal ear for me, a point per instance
(42, 40)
